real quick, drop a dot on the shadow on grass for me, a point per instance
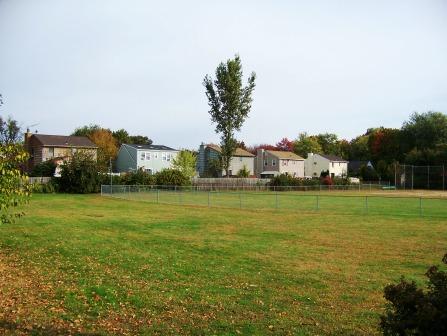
(13, 327)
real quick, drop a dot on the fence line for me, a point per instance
(40, 179)
(253, 199)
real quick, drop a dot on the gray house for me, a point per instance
(240, 160)
(150, 158)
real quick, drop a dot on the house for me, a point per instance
(355, 166)
(315, 164)
(44, 147)
(240, 160)
(270, 163)
(150, 158)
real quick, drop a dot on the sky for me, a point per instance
(322, 66)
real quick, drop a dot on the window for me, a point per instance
(265, 162)
(168, 157)
(273, 162)
(148, 156)
(155, 155)
(142, 156)
(332, 165)
(163, 156)
(240, 158)
(51, 152)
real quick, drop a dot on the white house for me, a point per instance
(317, 163)
(150, 158)
(271, 163)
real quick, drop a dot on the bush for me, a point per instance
(171, 177)
(46, 168)
(288, 180)
(45, 188)
(244, 172)
(140, 177)
(413, 311)
(80, 175)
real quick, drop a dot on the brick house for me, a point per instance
(43, 147)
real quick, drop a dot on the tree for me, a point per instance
(425, 130)
(9, 131)
(306, 144)
(285, 145)
(121, 136)
(329, 143)
(384, 144)
(413, 311)
(80, 174)
(230, 103)
(185, 161)
(360, 148)
(107, 147)
(171, 177)
(86, 131)
(14, 187)
(243, 172)
(140, 140)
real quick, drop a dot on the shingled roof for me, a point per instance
(64, 141)
(334, 158)
(238, 152)
(285, 155)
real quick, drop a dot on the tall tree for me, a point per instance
(86, 130)
(107, 147)
(9, 131)
(229, 102)
(328, 143)
(185, 161)
(306, 144)
(121, 136)
(285, 145)
(425, 130)
(139, 140)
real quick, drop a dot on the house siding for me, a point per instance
(315, 164)
(265, 160)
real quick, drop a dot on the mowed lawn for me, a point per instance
(86, 264)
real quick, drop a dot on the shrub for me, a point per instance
(244, 172)
(45, 188)
(171, 177)
(140, 177)
(46, 168)
(326, 180)
(80, 175)
(413, 311)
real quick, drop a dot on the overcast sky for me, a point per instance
(322, 66)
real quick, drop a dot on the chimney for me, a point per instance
(27, 136)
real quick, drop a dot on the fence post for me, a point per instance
(209, 198)
(276, 198)
(240, 199)
(180, 196)
(318, 202)
(420, 206)
(366, 204)
(158, 196)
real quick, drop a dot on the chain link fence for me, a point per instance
(410, 177)
(319, 200)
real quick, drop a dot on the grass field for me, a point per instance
(378, 202)
(88, 264)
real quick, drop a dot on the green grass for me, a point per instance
(345, 202)
(105, 265)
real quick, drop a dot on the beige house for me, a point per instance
(270, 163)
(240, 160)
(317, 163)
(43, 147)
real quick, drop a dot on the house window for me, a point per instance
(332, 165)
(163, 156)
(148, 156)
(142, 156)
(273, 162)
(240, 158)
(265, 162)
(168, 157)
(51, 152)
(155, 155)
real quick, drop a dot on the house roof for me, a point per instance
(153, 147)
(285, 155)
(333, 158)
(64, 141)
(238, 152)
(356, 165)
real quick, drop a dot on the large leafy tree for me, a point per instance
(306, 144)
(329, 143)
(285, 145)
(229, 102)
(14, 187)
(185, 161)
(107, 147)
(425, 130)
